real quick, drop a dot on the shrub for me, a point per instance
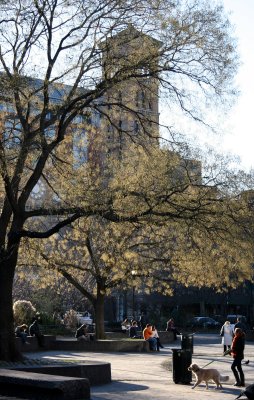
(46, 319)
(24, 312)
(71, 319)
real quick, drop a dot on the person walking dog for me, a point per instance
(237, 351)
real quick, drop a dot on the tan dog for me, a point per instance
(206, 375)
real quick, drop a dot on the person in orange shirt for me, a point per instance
(148, 336)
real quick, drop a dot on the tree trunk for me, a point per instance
(8, 351)
(99, 315)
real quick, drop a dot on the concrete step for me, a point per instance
(37, 386)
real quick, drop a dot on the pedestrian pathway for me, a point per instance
(145, 376)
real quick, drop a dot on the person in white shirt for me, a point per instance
(227, 333)
(156, 336)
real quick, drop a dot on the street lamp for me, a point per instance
(133, 273)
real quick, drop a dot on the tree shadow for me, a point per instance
(119, 387)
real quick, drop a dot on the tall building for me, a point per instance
(129, 110)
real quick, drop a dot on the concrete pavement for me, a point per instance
(145, 376)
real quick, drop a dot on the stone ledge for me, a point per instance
(37, 386)
(33, 343)
(98, 373)
(165, 337)
(112, 343)
(130, 345)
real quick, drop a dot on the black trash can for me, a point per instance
(187, 341)
(181, 360)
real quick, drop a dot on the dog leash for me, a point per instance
(244, 363)
(208, 363)
(225, 354)
(229, 351)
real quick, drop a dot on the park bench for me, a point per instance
(36, 386)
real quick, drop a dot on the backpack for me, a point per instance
(248, 392)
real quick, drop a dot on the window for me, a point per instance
(80, 148)
(136, 127)
(12, 133)
(120, 97)
(140, 99)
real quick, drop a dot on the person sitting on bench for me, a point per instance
(34, 330)
(82, 333)
(148, 336)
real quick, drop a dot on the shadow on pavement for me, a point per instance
(119, 387)
(232, 391)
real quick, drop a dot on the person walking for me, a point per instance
(237, 351)
(227, 333)
(240, 324)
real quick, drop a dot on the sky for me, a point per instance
(236, 128)
(238, 135)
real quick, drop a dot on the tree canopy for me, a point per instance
(65, 69)
(195, 235)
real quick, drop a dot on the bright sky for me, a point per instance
(239, 132)
(236, 128)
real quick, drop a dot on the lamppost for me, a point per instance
(133, 273)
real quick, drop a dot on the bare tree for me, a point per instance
(63, 65)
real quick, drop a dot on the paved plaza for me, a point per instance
(145, 376)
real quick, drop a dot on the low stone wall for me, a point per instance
(130, 345)
(115, 341)
(32, 343)
(165, 337)
(117, 335)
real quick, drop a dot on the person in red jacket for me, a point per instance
(237, 349)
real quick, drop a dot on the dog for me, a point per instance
(207, 374)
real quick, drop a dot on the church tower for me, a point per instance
(130, 61)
